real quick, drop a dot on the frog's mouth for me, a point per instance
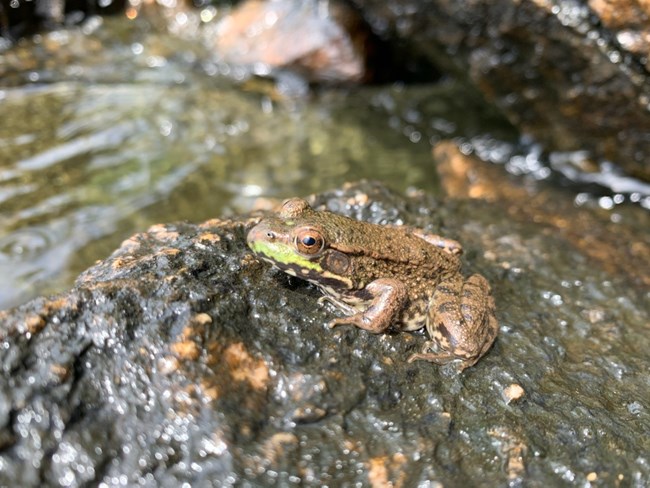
(283, 256)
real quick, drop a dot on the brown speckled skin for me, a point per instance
(389, 275)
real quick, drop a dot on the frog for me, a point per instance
(383, 278)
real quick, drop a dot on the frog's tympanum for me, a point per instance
(382, 276)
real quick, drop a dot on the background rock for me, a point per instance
(572, 74)
(24, 17)
(323, 41)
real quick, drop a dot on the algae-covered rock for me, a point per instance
(181, 358)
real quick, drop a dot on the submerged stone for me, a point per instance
(322, 41)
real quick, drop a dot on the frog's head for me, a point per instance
(298, 242)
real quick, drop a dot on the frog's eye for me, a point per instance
(309, 241)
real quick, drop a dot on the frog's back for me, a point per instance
(390, 250)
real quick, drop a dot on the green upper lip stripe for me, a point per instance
(283, 254)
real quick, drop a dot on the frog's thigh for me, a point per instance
(449, 245)
(387, 298)
(462, 324)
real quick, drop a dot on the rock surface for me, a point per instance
(180, 358)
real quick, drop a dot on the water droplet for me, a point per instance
(635, 408)
(606, 203)
(581, 199)
(207, 14)
(137, 48)
(614, 56)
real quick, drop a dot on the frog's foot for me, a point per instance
(387, 298)
(461, 321)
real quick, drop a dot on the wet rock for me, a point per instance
(322, 41)
(620, 249)
(21, 18)
(181, 358)
(630, 21)
(573, 74)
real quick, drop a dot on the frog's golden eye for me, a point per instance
(309, 241)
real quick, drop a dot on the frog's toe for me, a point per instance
(443, 358)
(432, 353)
(340, 321)
(432, 357)
(362, 321)
(429, 353)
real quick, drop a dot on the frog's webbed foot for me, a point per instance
(461, 322)
(388, 296)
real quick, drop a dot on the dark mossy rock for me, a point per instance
(572, 74)
(181, 358)
(20, 18)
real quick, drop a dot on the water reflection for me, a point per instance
(23, 245)
(82, 163)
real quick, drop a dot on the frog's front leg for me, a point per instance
(387, 298)
(461, 322)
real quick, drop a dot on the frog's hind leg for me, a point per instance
(461, 322)
(448, 245)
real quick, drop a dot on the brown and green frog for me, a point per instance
(383, 276)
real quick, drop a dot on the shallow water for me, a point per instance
(117, 125)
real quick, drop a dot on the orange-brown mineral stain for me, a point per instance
(243, 367)
(386, 471)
